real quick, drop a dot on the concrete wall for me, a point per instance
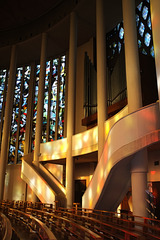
(15, 187)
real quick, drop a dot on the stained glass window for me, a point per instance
(137, 19)
(149, 22)
(115, 42)
(141, 29)
(145, 12)
(147, 39)
(139, 43)
(14, 125)
(35, 105)
(45, 108)
(3, 92)
(121, 33)
(23, 116)
(144, 28)
(3, 75)
(152, 51)
(54, 82)
(145, 42)
(61, 99)
(140, 6)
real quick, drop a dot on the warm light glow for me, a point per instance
(117, 117)
(90, 193)
(33, 181)
(90, 203)
(48, 192)
(39, 189)
(153, 172)
(98, 189)
(85, 137)
(90, 177)
(107, 128)
(102, 171)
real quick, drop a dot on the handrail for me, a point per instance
(97, 221)
(142, 225)
(129, 140)
(121, 92)
(103, 229)
(33, 223)
(5, 228)
(64, 224)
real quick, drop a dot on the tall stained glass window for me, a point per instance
(115, 38)
(23, 116)
(35, 105)
(14, 124)
(3, 92)
(54, 82)
(61, 99)
(55, 76)
(3, 76)
(45, 108)
(143, 19)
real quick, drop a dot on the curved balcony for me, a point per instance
(125, 135)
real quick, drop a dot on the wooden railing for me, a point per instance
(32, 223)
(92, 224)
(5, 228)
(146, 227)
(63, 225)
(81, 226)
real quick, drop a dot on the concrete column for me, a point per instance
(39, 119)
(131, 56)
(7, 119)
(139, 183)
(155, 19)
(101, 74)
(71, 109)
(139, 162)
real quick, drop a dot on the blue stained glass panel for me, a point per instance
(139, 43)
(141, 29)
(152, 51)
(147, 39)
(149, 22)
(140, 6)
(137, 19)
(3, 76)
(145, 12)
(121, 33)
(14, 124)
(119, 47)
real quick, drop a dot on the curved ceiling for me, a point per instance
(14, 14)
(22, 22)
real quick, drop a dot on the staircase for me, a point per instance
(125, 136)
(111, 179)
(47, 188)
